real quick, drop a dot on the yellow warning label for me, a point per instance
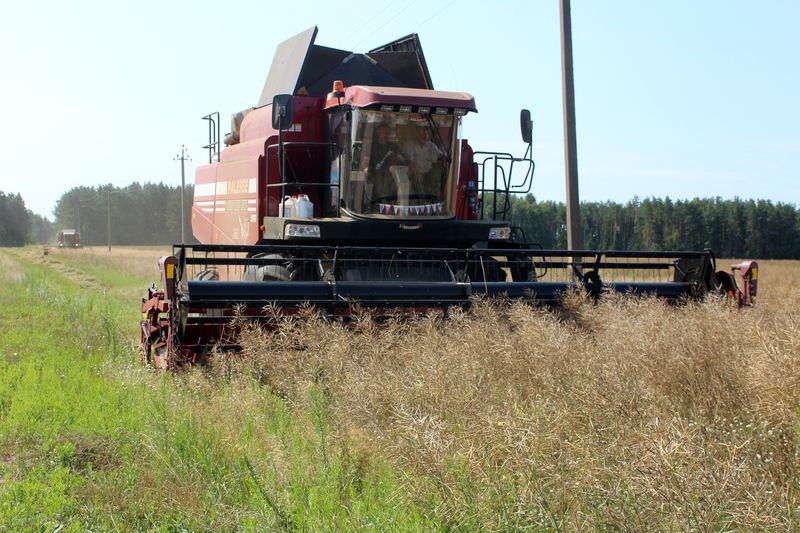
(170, 271)
(754, 272)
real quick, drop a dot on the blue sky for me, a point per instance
(681, 98)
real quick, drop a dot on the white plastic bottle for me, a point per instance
(303, 207)
(287, 207)
(282, 207)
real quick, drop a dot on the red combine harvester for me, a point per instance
(349, 185)
(69, 238)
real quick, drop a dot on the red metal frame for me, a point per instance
(745, 295)
(158, 319)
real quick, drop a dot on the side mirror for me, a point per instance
(526, 126)
(282, 111)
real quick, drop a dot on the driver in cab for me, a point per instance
(423, 156)
(383, 154)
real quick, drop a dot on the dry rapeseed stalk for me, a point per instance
(631, 413)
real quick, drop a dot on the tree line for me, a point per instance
(732, 228)
(149, 214)
(140, 214)
(19, 225)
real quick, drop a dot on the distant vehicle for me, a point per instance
(69, 238)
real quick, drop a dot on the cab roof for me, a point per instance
(367, 96)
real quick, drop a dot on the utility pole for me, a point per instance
(183, 157)
(570, 141)
(108, 211)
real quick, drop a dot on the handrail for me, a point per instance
(499, 175)
(213, 136)
(282, 183)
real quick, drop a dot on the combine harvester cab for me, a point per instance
(349, 186)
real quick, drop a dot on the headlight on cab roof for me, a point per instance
(301, 230)
(502, 233)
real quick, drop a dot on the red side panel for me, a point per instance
(203, 205)
(236, 203)
(232, 197)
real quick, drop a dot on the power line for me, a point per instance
(386, 23)
(442, 9)
(383, 11)
(376, 15)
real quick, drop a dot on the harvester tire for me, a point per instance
(279, 271)
(208, 275)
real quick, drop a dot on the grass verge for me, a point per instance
(88, 440)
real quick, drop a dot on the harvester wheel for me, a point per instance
(522, 268)
(279, 270)
(208, 275)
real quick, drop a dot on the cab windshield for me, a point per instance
(401, 164)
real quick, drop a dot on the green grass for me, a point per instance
(88, 440)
